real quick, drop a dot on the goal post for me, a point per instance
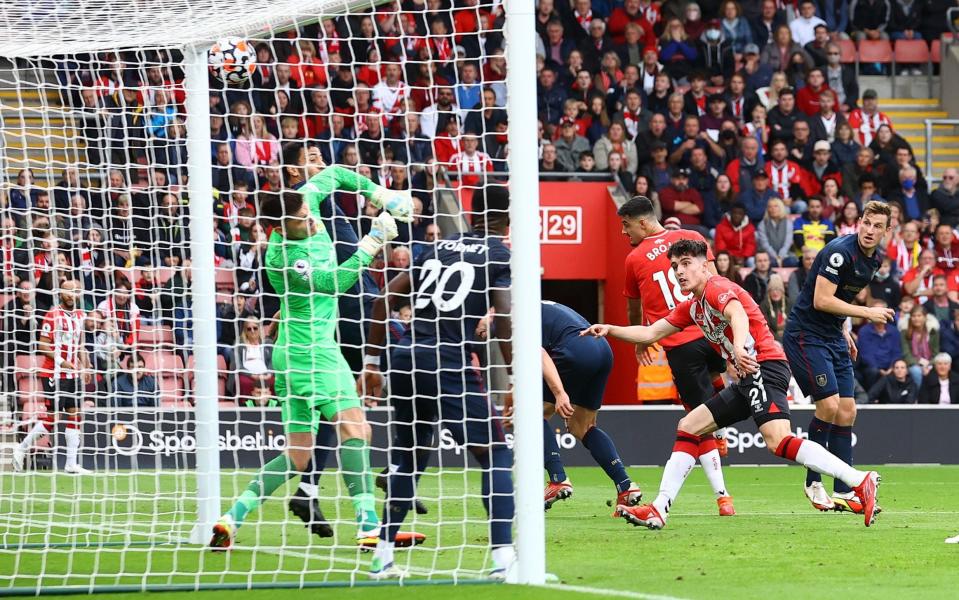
(110, 178)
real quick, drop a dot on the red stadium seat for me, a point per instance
(155, 337)
(847, 51)
(875, 51)
(28, 365)
(225, 281)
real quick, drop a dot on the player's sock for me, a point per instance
(552, 460)
(36, 431)
(712, 464)
(355, 463)
(840, 444)
(680, 463)
(819, 433)
(601, 446)
(325, 440)
(498, 493)
(384, 551)
(814, 456)
(273, 474)
(400, 491)
(71, 433)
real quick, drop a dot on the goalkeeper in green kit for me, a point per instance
(313, 380)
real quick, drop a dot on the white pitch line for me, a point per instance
(608, 592)
(465, 573)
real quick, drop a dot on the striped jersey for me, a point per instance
(64, 329)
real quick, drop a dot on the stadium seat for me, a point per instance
(28, 365)
(155, 337)
(30, 389)
(225, 281)
(915, 52)
(876, 51)
(847, 51)
(163, 275)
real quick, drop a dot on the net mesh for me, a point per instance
(95, 207)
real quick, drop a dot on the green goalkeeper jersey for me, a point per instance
(305, 273)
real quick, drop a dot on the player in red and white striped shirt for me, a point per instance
(470, 162)
(61, 344)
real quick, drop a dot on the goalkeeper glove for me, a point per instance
(383, 231)
(398, 203)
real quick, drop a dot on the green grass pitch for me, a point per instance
(776, 547)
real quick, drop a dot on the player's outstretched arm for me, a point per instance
(398, 203)
(824, 299)
(739, 322)
(636, 334)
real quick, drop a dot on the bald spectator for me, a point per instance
(946, 198)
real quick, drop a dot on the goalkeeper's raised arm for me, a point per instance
(326, 180)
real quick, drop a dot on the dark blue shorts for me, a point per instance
(821, 366)
(426, 388)
(584, 364)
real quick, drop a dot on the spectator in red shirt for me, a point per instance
(736, 235)
(629, 13)
(918, 281)
(683, 202)
(807, 99)
(947, 249)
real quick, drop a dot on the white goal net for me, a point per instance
(159, 315)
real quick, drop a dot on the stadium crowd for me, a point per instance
(738, 120)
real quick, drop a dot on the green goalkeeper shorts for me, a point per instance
(313, 386)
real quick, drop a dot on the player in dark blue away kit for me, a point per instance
(821, 352)
(575, 370)
(452, 286)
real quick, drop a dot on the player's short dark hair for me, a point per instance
(492, 198)
(694, 248)
(290, 156)
(637, 207)
(276, 206)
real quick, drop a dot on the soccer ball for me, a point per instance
(232, 60)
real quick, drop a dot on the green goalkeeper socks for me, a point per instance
(355, 462)
(273, 474)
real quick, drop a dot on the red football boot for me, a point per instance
(726, 508)
(867, 491)
(556, 492)
(644, 515)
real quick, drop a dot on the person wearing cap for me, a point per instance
(658, 170)
(756, 74)
(823, 126)
(716, 113)
(694, 100)
(757, 197)
(865, 121)
(717, 58)
(822, 167)
(570, 145)
(681, 201)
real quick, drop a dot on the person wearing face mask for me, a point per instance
(913, 200)
(841, 79)
(885, 284)
(716, 55)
